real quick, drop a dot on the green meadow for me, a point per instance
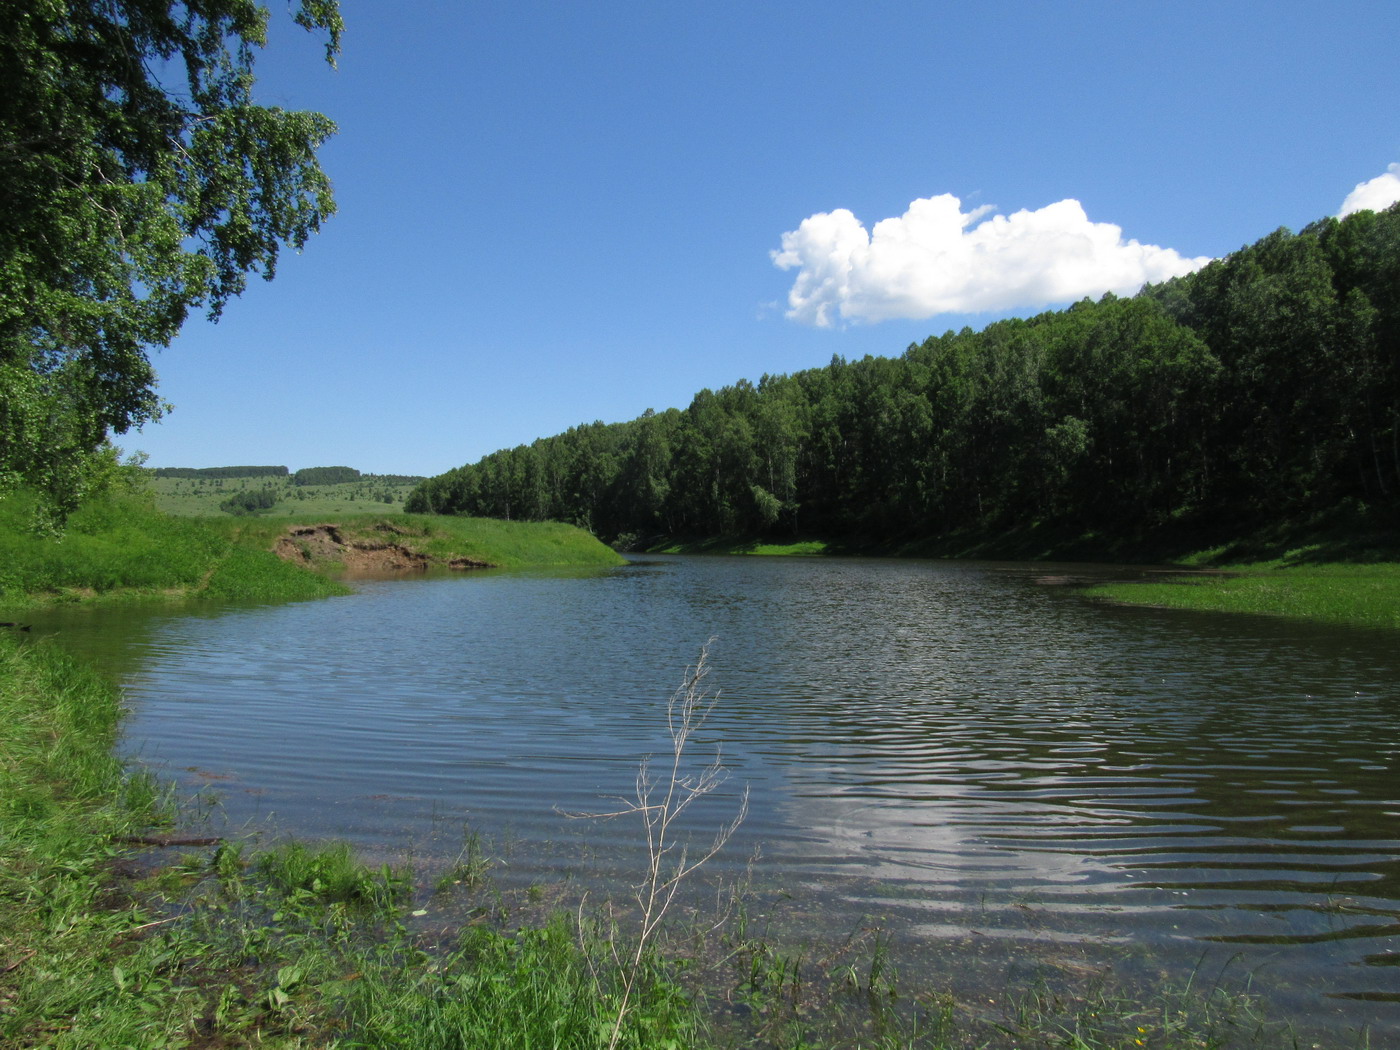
(123, 547)
(1356, 595)
(202, 496)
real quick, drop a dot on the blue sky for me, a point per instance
(554, 213)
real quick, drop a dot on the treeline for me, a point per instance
(305, 476)
(325, 476)
(1265, 386)
(220, 472)
(345, 475)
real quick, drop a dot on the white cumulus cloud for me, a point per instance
(937, 258)
(1375, 194)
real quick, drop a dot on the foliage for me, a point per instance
(219, 472)
(141, 180)
(1265, 387)
(394, 479)
(325, 476)
(250, 501)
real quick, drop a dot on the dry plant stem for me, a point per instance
(686, 712)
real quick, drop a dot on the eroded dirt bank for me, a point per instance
(326, 544)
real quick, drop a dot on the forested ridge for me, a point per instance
(1263, 387)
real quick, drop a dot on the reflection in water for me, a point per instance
(952, 746)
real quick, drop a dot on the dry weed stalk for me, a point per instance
(660, 804)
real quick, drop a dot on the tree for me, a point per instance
(140, 180)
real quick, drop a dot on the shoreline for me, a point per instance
(1309, 578)
(234, 944)
(128, 926)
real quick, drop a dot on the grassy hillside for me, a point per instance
(484, 541)
(124, 546)
(200, 497)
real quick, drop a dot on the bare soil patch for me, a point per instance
(321, 544)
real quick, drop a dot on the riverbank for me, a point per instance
(1352, 595)
(1344, 572)
(123, 926)
(117, 931)
(122, 548)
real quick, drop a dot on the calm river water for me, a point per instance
(1018, 781)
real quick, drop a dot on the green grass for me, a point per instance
(536, 987)
(489, 541)
(123, 547)
(200, 497)
(746, 545)
(101, 946)
(64, 799)
(1355, 595)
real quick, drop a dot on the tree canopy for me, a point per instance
(140, 180)
(1263, 388)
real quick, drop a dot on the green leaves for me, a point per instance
(132, 198)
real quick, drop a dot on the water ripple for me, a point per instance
(948, 744)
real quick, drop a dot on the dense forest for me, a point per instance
(325, 476)
(1263, 387)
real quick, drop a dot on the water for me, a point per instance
(1015, 780)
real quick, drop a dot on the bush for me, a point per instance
(250, 501)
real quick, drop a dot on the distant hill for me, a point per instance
(274, 490)
(220, 472)
(304, 476)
